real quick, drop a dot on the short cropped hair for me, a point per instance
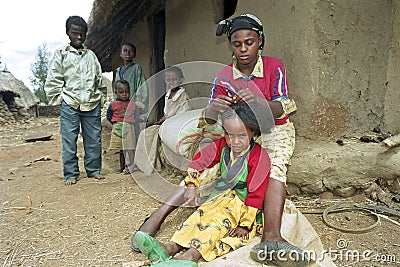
(76, 20)
(175, 69)
(123, 82)
(131, 45)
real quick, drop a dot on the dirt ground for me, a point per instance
(45, 223)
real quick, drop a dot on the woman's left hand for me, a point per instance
(245, 95)
(241, 232)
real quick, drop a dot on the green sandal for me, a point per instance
(281, 254)
(134, 246)
(175, 263)
(150, 247)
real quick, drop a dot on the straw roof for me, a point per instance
(24, 97)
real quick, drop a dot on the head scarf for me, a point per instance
(245, 21)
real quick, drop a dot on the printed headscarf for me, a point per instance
(245, 21)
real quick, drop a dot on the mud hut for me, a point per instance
(17, 102)
(342, 70)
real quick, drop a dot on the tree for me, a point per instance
(39, 71)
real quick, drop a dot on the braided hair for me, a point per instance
(258, 118)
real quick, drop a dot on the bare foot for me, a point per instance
(70, 181)
(190, 254)
(131, 168)
(268, 236)
(151, 225)
(97, 176)
(171, 247)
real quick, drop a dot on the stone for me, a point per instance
(292, 189)
(345, 191)
(327, 195)
(395, 186)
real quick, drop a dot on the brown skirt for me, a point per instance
(126, 143)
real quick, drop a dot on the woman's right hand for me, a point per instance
(221, 102)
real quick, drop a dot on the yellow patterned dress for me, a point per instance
(207, 229)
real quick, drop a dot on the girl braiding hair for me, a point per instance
(245, 21)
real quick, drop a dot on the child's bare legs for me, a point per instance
(191, 254)
(121, 161)
(172, 248)
(153, 223)
(130, 160)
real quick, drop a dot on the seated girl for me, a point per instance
(176, 101)
(227, 220)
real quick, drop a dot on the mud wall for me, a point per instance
(353, 60)
(190, 28)
(392, 109)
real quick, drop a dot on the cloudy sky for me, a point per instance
(26, 24)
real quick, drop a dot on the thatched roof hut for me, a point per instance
(16, 100)
(11, 85)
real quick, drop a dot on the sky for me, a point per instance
(26, 24)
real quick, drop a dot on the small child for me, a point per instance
(121, 113)
(176, 101)
(227, 220)
(134, 74)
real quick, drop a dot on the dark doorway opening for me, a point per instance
(229, 8)
(158, 64)
(159, 40)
